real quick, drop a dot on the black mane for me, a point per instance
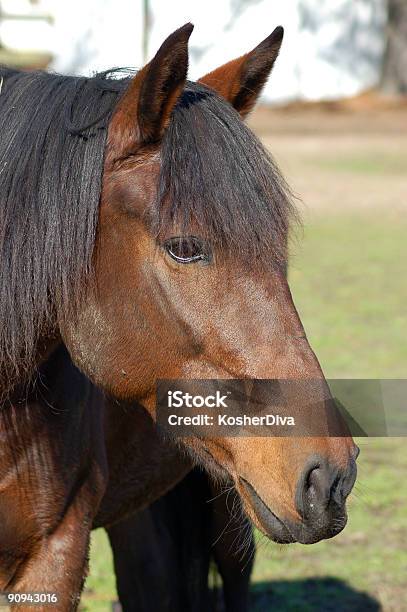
(215, 175)
(217, 178)
(52, 141)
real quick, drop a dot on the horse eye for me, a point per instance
(189, 249)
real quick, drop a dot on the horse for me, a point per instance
(72, 459)
(88, 428)
(163, 553)
(144, 226)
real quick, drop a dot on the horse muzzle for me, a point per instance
(320, 502)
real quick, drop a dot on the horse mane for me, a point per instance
(53, 134)
(217, 179)
(215, 175)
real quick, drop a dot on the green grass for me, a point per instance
(100, 588)
(372, 163)
(364, 565)
(348, 278)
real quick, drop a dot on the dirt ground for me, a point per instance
(363, 140)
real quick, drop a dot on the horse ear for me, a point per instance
(241, 81)
(143, 112)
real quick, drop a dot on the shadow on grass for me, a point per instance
(310, 595)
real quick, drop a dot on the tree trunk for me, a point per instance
(394, 76)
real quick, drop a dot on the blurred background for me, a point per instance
(334, 115)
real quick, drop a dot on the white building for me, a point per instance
(332, 48)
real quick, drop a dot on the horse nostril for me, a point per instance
(356, 452)
(348, 479)
(315, 488)
(313, 477)
(321, 493)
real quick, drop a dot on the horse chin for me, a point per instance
(264, 518)
(284, 532)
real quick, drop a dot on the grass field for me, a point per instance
(348, 281)
(348, 277)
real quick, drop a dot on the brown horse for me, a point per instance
(76, 437)
(144, 225)
(162, 554)
(71, 460)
